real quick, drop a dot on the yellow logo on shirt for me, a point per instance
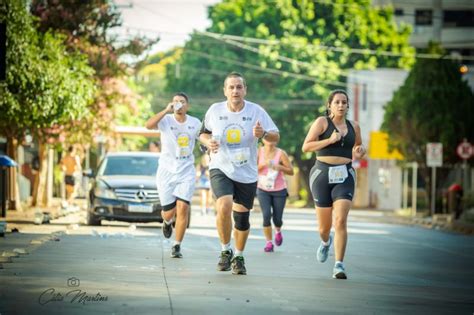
(183, 141)
(233, 136)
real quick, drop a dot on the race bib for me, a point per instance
(268, 181)
(240, 156)
(183, 151)
(337, 174)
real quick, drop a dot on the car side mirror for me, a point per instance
(88, 173)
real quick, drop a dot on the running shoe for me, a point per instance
(167, 230)
(339, 272)
(238, 266)
(323, 251)
(278, 238)
(176, 251)
(268, 247)
(225, 260)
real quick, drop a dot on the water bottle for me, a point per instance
(177, 106)
(216, 138)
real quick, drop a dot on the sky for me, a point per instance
(171, 20)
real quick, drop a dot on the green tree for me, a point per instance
(299, 51)
(434, 104)
(152, 77)
(88, 27)
(45, 86)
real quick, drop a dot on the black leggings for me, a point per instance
(272, 200)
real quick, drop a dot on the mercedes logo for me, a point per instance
(141, 194)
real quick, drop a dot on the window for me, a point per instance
(398, 12)
(423, 17)
(458, 18)
(129, 165)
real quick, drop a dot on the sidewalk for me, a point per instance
(438, 221)
(444, 222)
(41, 215)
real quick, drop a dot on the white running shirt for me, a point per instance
(237, 154)
(177, 143)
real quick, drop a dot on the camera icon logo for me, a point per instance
(73, 282)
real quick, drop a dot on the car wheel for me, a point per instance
(92, 220)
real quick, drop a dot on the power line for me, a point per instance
(211, 100)
(281, 58)
(269, 70)
(154, 31)
(364, 51)
(387, 83)
(175, 19)
(390, 4)
(351, 50)
(275, 71)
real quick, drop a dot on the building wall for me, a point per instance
(379, 185)
(451, 36)
(369, 91)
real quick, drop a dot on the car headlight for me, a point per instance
(103, 191)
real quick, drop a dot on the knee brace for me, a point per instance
(241, 220)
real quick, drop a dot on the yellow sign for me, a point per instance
(378, 147)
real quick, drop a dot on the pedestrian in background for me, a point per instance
(336, 140)
(273, 165)
(175, 177)
(154, 146)
(70, 165)
(230, 131)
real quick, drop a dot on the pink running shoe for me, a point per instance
(278, 238)
(269, 247)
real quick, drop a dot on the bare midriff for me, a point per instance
(334, 160)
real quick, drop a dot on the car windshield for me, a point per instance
(129, 165)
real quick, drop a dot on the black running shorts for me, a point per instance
(242, 193)
(325, 193)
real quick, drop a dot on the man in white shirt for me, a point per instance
(176, 173)
(231, 130)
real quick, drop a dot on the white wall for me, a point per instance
(384, 180)
(458, 37)
(380, 85)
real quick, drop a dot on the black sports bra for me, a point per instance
(343, 147)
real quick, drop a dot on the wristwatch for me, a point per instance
(264, 134)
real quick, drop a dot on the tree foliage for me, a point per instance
(296, 67)
(295, 52)
(433, 105)
(87, 27)
(45, 85)
(152, 77)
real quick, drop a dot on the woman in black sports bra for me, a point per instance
(336, 142)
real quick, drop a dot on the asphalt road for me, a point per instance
(126, 269)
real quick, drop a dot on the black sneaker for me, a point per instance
(176, 251)
(238, 266)
(224, 261)
(167, 230)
